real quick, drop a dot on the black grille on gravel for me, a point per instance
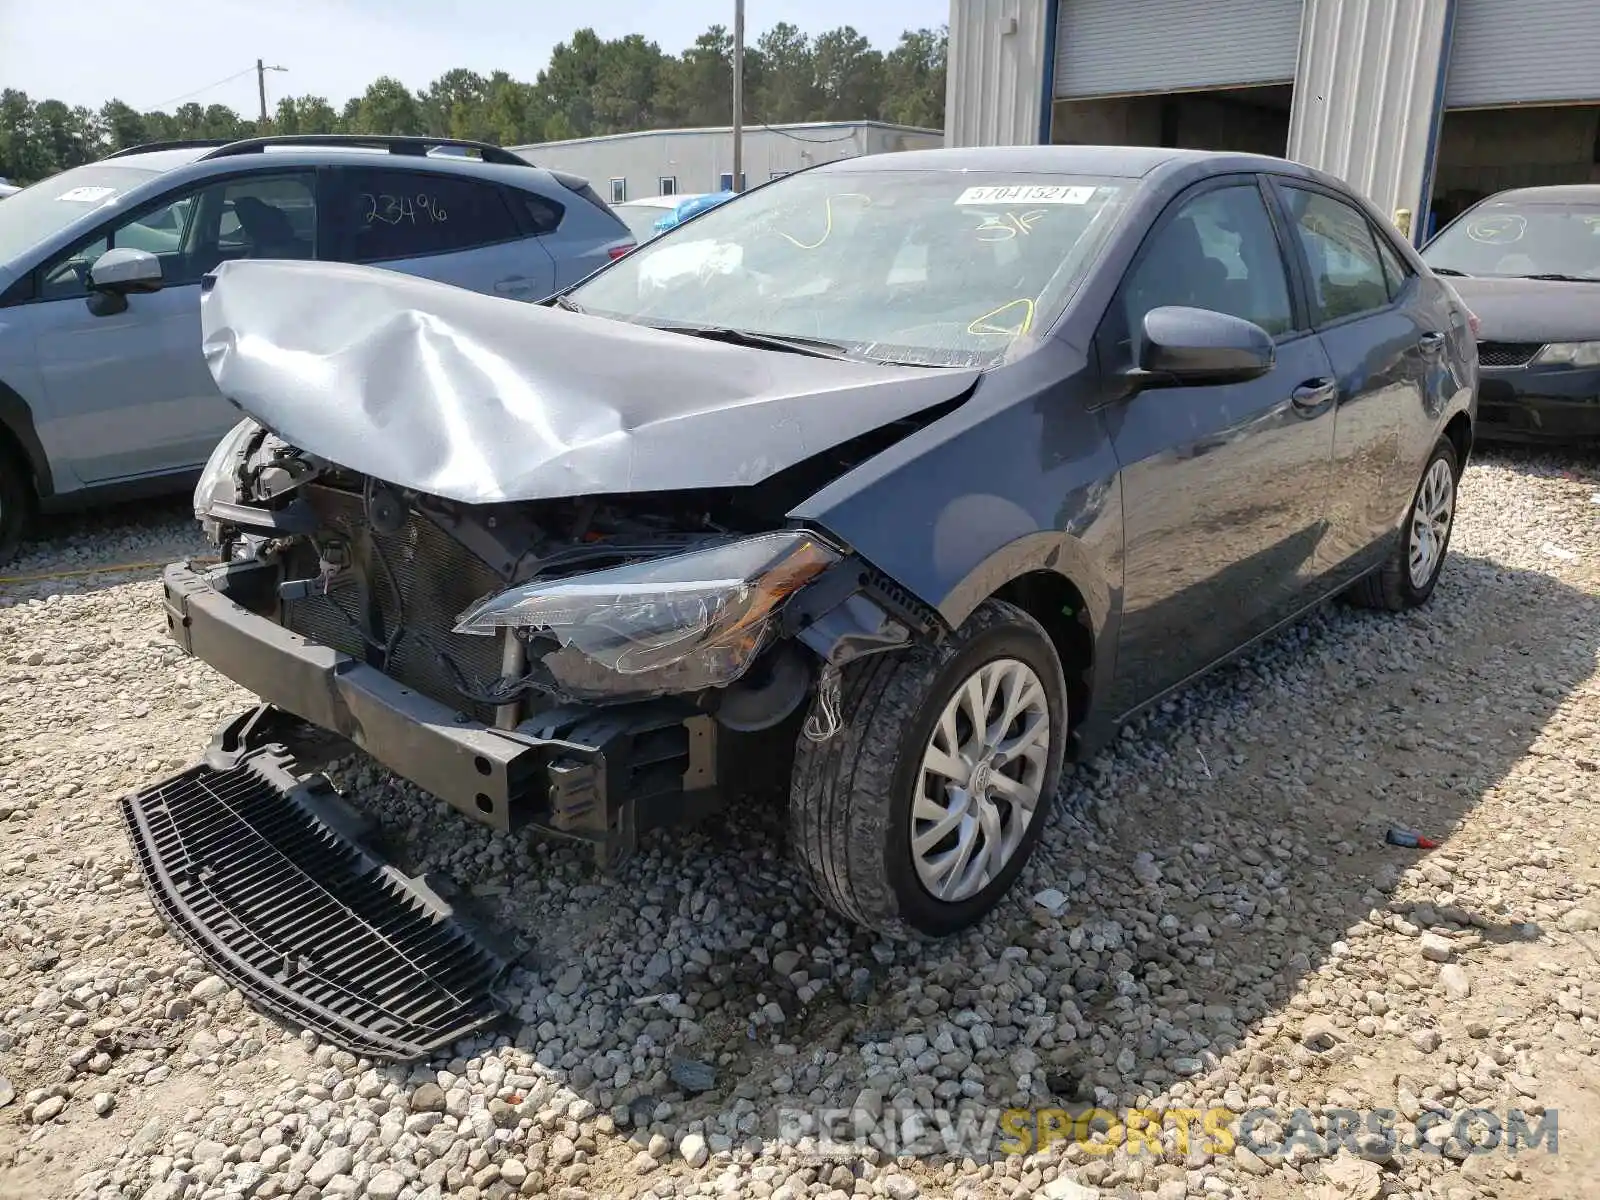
(279, 902)
(1507, 354)
(436, 579)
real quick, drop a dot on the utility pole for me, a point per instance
(261, 87)
(738, 95)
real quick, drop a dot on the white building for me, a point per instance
(1425, 105)
(660, 162)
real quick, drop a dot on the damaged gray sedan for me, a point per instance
(896, 482)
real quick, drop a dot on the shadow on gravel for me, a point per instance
(1202, 867)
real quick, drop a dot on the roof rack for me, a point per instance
(397, 144)
(181, 144)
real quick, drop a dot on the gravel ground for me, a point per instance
(1214, 919)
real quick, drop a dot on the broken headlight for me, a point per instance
(665, 626)
(219, 481)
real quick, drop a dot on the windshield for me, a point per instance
(50, 205)
(1509, 239)
(640, 219)
(929, 267)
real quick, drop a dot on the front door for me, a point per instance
(129, 394)
(1225, 489)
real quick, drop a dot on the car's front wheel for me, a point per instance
(920, 811)
(1408, 576)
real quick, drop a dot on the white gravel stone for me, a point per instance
(1214, 885)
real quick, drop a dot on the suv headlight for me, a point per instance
(666, 626)
(1569, 354)
(218, 483)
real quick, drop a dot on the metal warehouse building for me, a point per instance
(663, 162)
(1425, 105)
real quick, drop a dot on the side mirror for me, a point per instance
(1196, 346)
(118, 274)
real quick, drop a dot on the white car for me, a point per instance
(640, 216)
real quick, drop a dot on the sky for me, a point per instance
(161, 53)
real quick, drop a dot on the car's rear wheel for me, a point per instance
(918, 814)
(1411, 572)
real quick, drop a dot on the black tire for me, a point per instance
(851, 796)
(1391, 587)
(16, 503)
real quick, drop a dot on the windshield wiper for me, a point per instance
(1450, 271)
(1560, 278)
(816, 347)
(570, 305)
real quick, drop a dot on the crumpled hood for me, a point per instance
(481, 399)
(1531, 310)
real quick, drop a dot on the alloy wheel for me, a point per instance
(1430, 522)
(981, 778)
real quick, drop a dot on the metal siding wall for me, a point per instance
(1365, 95)
(1121, 47)
(1524, 52)
(995, 86)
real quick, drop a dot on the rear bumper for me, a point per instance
(599, 775)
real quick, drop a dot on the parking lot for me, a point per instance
(1214, 920)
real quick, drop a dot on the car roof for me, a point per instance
(162, 161)
(1562, 193)
(1124, 161)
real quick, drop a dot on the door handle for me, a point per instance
(511, 285)
(1430, 342)
(1314, 393)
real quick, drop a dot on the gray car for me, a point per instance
(104, 392)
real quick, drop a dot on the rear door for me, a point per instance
(1385, 336)
(1225, 489)
(453, 228)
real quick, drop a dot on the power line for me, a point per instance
(207, 88)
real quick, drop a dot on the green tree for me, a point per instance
(914, 79)
(66, 136)
(305, 114)
(456, 105)
(22, 154)
(788, 90)
(123, 125)
(850, 76)
(388, 107)
(567, 86)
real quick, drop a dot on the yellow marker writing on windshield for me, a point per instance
(1003, 229)
(828, 229)
(994, 323)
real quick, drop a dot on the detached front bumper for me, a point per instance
(601, 775)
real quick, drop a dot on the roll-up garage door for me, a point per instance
(1517, 52)
(1118, 47)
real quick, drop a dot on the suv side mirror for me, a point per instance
(1196, 346)
(118, 274)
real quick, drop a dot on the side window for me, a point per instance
(159, 230)
(619, 191)
(257, 216)
(1218, 251)
(407, 214)
(1346, 275)
(544, 214)
(1395, 271)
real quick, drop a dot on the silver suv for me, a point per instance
(104, 393)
